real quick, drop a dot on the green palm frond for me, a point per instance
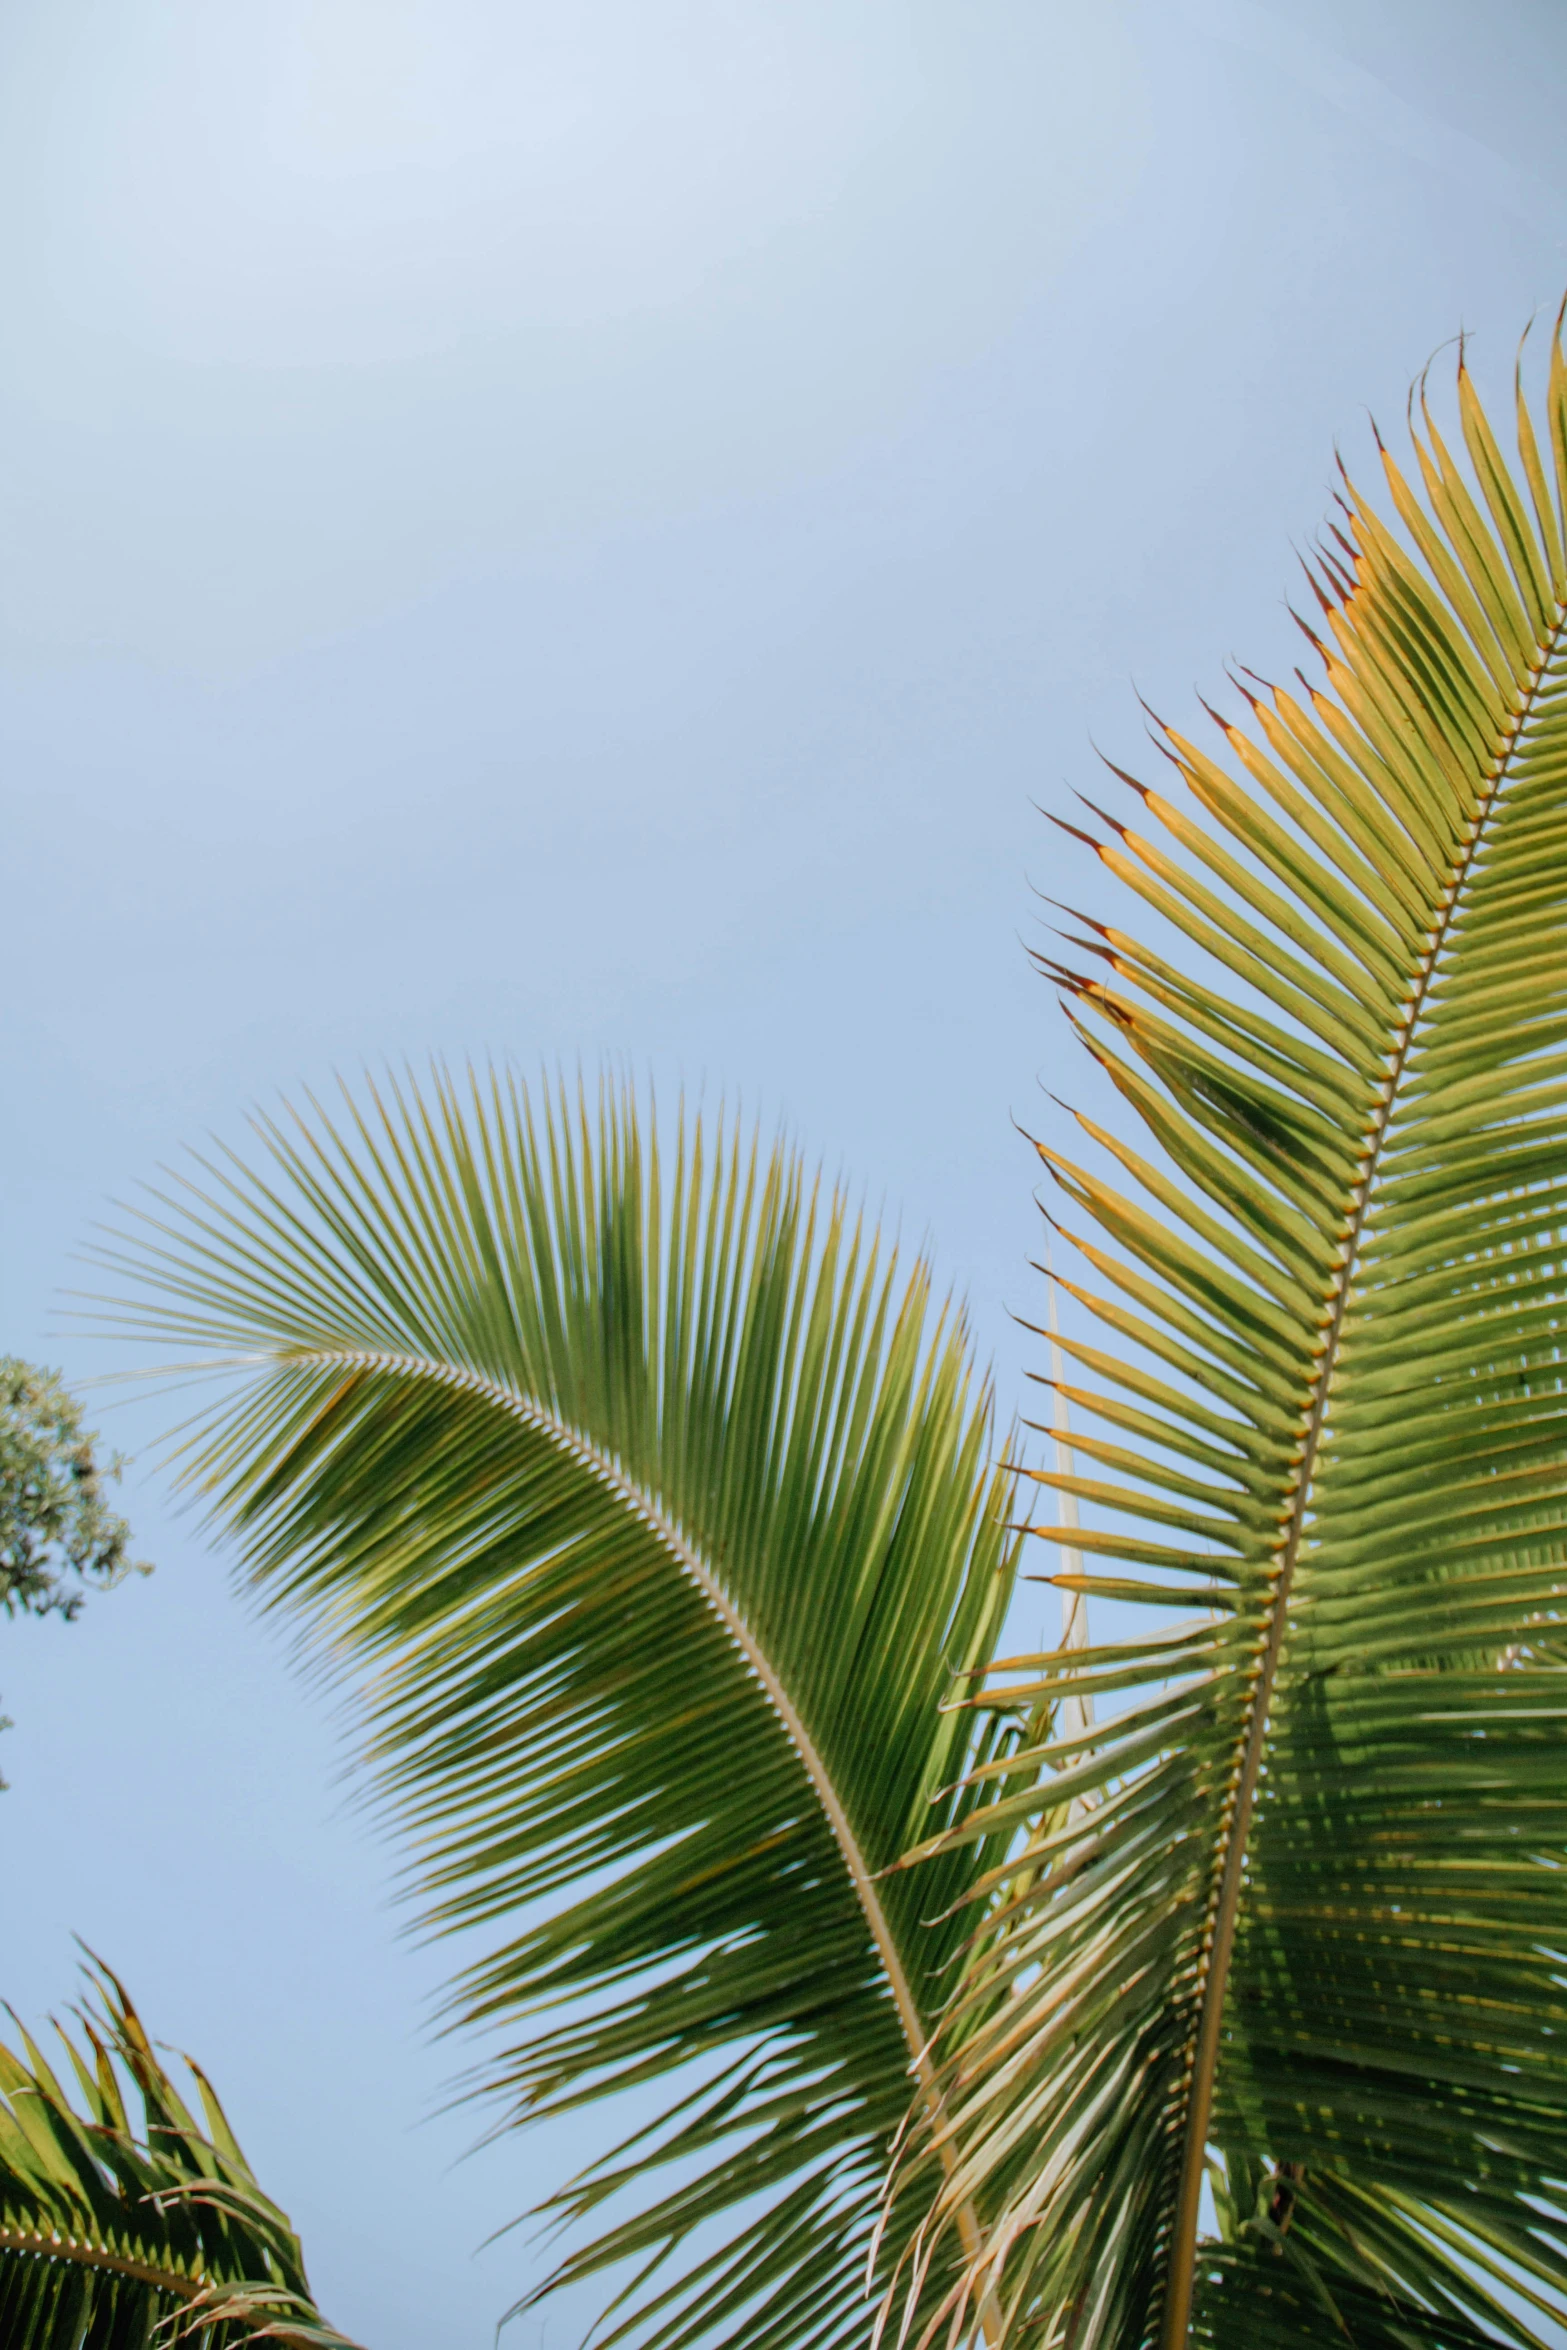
(1314, 1924)
(127, 2234)
(663, 1522)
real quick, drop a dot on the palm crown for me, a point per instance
(1219, 1996)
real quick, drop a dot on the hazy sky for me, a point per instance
(562, 531)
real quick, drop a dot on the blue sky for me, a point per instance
(590, 531)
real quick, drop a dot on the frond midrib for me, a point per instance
(1219, 1932)
(181, 2285)
(83, 2252)
(610, 1473)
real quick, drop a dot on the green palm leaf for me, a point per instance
(664, 1523)
(118, 2234)
(1311, 1925)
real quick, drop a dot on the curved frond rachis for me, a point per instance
(664, 1516)
(1313, 1931)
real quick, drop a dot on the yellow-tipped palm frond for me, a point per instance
(123, 2229)
(665, 1522)
(1306, 1943)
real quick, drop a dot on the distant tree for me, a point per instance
(58, 1534)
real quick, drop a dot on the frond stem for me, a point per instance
(80, 2254)
(1240, 1801)
(608, 1472)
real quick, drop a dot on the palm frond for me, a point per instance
(664, 1522)
(122, 2233)
(1315, 1922)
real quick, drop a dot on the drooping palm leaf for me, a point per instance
(664, 1521)
(1314, 1928)
(122, 2233)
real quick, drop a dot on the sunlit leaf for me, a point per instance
(1311, 1932)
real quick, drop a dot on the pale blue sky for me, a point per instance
(550, 532)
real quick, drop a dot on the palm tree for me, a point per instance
(114, 2236)
(1222, 1997)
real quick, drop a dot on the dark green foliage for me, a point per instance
(58, 1535)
